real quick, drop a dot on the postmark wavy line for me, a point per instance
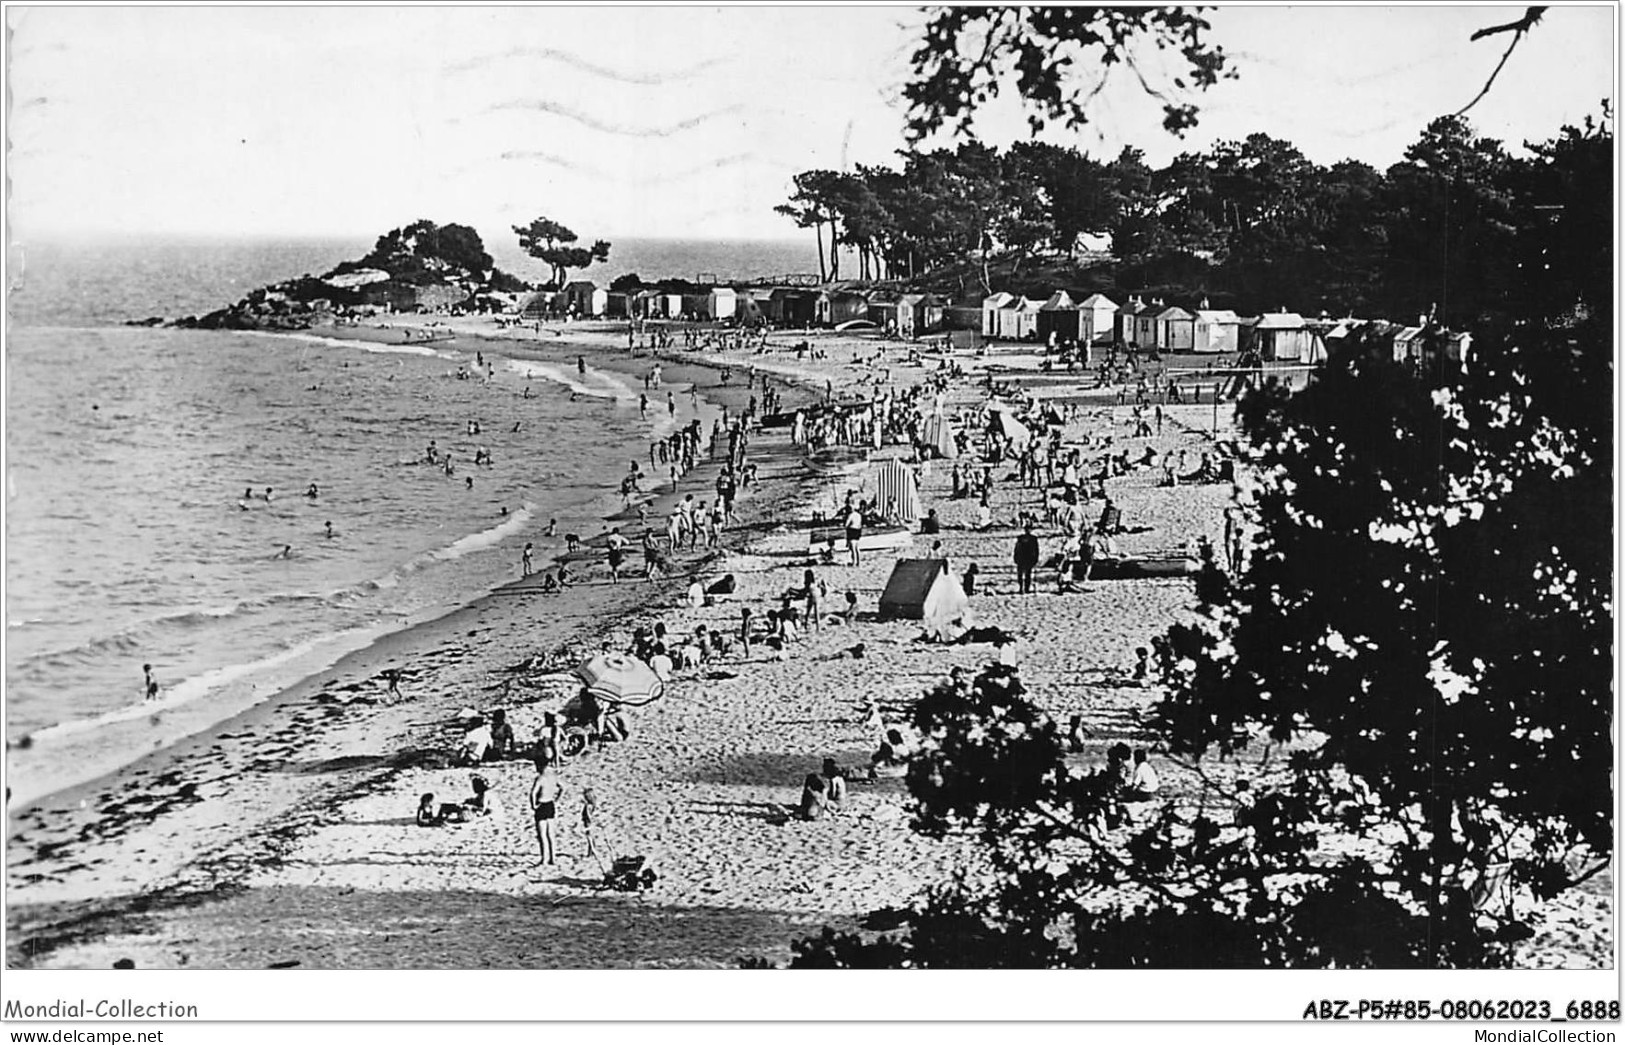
(596, 123)
(576, 61)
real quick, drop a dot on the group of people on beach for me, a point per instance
(1043, 462)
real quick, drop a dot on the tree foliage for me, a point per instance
(1419, 647)
(1253, 222)
(424, 247)
(553, 243)
(1059, 58)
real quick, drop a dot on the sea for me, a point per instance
(153, 478)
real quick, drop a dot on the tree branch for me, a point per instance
(1530, 17)
(1518, 29)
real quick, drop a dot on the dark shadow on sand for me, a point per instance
(770, 768)
(328, 928)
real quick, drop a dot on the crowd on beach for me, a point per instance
(786, 695)
(917, 418)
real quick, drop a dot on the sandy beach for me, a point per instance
(286, 836)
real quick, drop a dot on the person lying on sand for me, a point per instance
(554, 579)
(447, 813)
(891, 758)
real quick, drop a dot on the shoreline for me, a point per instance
(591, 613)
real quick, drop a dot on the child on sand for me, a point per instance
(1142, 666)
(835, 784)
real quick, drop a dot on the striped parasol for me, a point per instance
(621, 679)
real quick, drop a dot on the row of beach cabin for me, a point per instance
(907, 314)
(1094, 320)
(1097, 320)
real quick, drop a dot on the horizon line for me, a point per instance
(73, 234)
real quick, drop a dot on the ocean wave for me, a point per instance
(187, 691)
(376, 347)
(602, 386)
(144, 633)
(514, 523)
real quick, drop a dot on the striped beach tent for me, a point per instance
(895, 485)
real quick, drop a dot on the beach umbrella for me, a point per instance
(620, 678)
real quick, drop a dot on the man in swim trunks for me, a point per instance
(617, 552)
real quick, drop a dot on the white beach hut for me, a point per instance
(990, 312)
(1099, 318)
(1216, 330)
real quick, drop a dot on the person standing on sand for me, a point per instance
(671, 405)
(643, 407)
(1232, 540)
(149, 689)
(1026, 559)
(617, 551)
(393, 677)
(813, 611)
(524, 560)
(651, 556)
(544, 799)
(854, 533)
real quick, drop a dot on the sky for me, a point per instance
(653, 122)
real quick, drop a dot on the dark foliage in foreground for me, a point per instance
(1419, 649)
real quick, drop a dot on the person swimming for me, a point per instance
(285, 553)
(330, 534)
(267, 495)
(313, 493)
